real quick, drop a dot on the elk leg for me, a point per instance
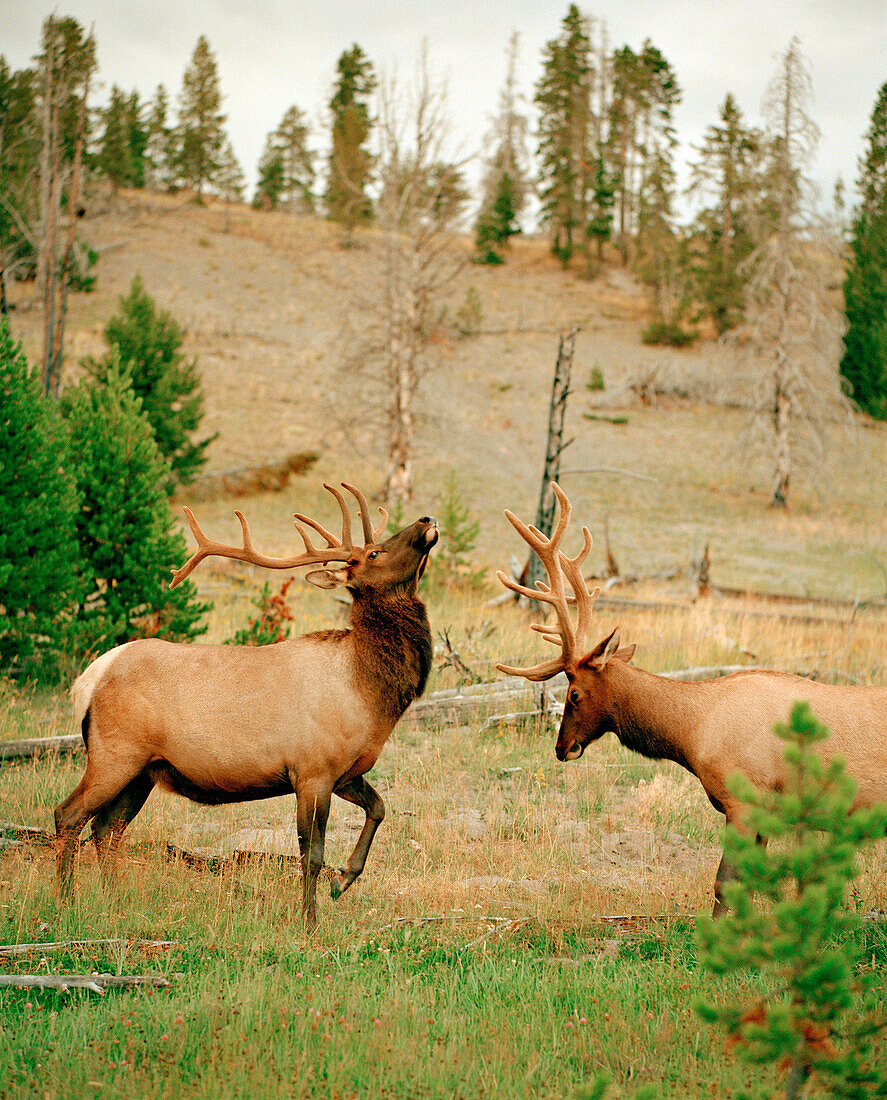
(111, 821)
(93, 793)
(361, 794)
(312, 811)
(727, 873)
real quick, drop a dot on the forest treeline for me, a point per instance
(599, 155)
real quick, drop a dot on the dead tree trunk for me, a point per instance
(555, 446)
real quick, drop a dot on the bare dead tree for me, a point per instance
(792, 331)
(554, 446)
(419, 210)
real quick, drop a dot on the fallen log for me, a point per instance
(26, 834)
(41, 746)
(77, 945)
(98, 983)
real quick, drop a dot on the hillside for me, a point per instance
(275, 308)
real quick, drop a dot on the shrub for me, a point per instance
(128, 540)
(470, 315)
(39, 582)
(451, 565)
(147, 343)
(668, 333)
(272, 624)
(818, 1015)
(595, 379)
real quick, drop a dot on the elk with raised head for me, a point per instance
(222, 724)
(712, 728)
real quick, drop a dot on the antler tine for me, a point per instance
(346, 516)
(335, 550)
(178, 575)
(560, 568)
(383, 523)
(369, 535)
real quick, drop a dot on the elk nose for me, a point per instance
(428, 519)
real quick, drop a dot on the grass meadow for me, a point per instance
(521, 928)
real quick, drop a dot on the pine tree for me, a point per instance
(286, 167)
(497, 224)
(159, 148)
(39, 557)
(146, 343)
(817, 1015)
(506, 183)
(200, 134)
(727, 171)
(19, 158)
(230, 182)
(563, 96)
(864, 363)
(269, 184)
(128, 540)
(350, 162)
(121, 150)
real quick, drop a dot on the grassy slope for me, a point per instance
(387, 1002)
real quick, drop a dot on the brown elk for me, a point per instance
(712, 728)
(222, 724)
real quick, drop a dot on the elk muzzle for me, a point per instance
(568, 746)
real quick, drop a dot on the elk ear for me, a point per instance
(624, 654)
(602, 652)
(327, 578)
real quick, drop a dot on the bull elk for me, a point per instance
(712, 728)
(222, 724)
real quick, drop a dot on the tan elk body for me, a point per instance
(712, 728)
(233, 723)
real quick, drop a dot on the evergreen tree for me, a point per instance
(159, 147)
(728, 172)
(128, 540)
(39, 557)
(864, 363)
(641, 139)
(816, 1016)
(506, 182)
(229, 180)
(563, 96)
(286, 167)
(497, 224)
(146, 343)
(121, 150)
(19, 157)
(350, 162)
(603, 197)
(200, 134)
(269, 184)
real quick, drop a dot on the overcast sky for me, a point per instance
(273, 53)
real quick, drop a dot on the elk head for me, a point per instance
(587, 712)
(398, 562)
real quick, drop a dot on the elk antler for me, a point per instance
(569, 636)
(337, 549)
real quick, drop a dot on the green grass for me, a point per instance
(442, 1009)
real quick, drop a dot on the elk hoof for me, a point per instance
(336, 889)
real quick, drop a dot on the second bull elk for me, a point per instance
(712, 728)
(222, 724)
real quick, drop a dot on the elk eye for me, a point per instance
(373, 554)
(574, 697)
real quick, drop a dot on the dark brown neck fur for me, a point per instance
(392, 640)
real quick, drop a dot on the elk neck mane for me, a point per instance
(392, 640)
